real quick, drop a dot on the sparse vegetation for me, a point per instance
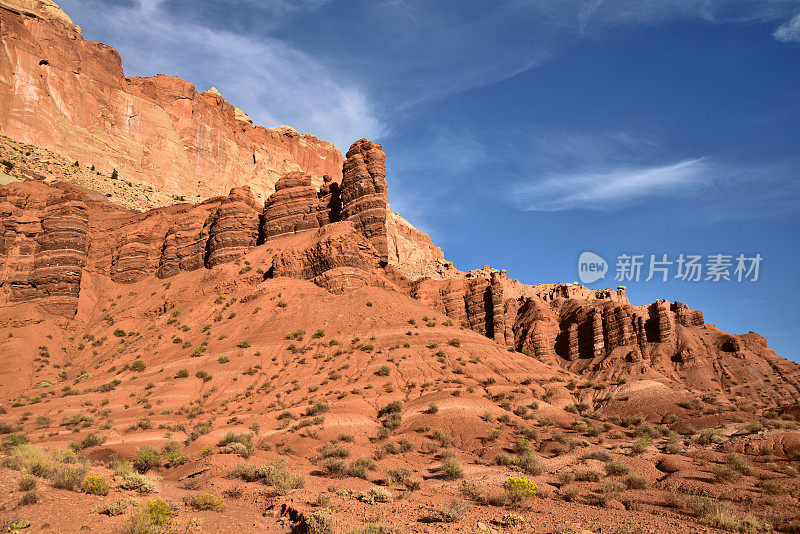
(272, 474)
(205, 501)
(451, 469)
(236, 443)
(146, 458)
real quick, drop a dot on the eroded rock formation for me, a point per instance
(342, 237)
(364, 200)
(44, 244)
(233, 229)
(295, 206)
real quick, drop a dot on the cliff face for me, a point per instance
(342, 237)
(64, 93)
(50, 234)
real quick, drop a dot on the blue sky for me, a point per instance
(521, 133)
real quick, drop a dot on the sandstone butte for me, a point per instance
(291, 318)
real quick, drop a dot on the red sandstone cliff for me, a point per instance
(64, 93)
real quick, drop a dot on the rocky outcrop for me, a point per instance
(584, 330)
(52, 237)
(412, 252)
(130, 247)
(64, 93)
(685, 315)
(364, 200)
(44, 246)
(41, 9)
(336, 257)
(166, 241)
(61, 252)
(233, 229)
(296, 206)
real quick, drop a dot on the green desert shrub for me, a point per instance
(334, 451)
(147, 458)
(321, 521)
(172, 454)
(68, 476)
(237, 443)
(529, 464)
(27, 483)
(29, 497)
(451, 512)
(317, 408)
(361, 467)
(205, 501)
(137, 482)
(114, 508)
(614, 467)
(90, 440)
(334, 467)
(588, 475)
(636, 482)
(271, 474)
(153, 516)
(451, 469)
(375, 495)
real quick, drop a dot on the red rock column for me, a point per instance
(498, 315)
(641, 333)
(363, 193)
(293, 206)
(618, 327)
(234, 228)
(598, 346)
(572, 341)
(687, 316)
(661, 311)
(511, 308)
(61, 254)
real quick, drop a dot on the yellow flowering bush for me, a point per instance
(95, 484)
(205, 501)
(520, 488)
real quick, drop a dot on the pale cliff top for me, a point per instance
(46, 9)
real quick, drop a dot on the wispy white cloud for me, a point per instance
(613, 189)
(616, 170)
(272, 80)
(789, 31)
(448, 151)
(560, 152)
(606, 13)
